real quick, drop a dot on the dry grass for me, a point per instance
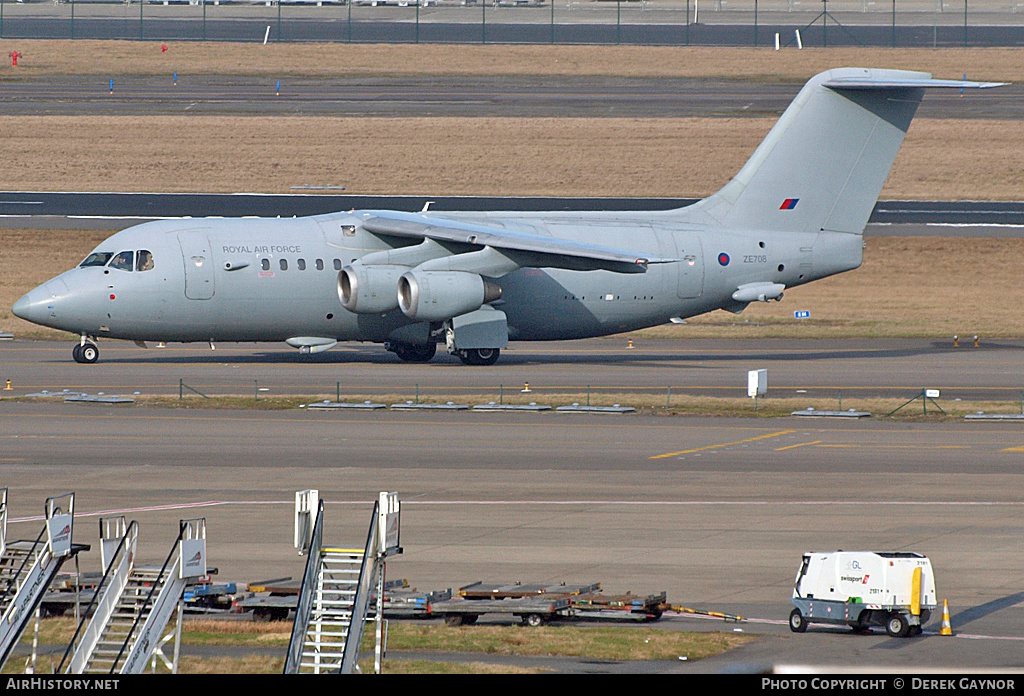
(945, 159)
(114, 58)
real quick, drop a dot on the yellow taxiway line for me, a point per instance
(723, 444)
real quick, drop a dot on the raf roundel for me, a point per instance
(723, 259)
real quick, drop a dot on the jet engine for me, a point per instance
(440, 295)
(369, 289)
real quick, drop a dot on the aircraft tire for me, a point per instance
(89, 353)
(480, 356)
(408, 352)
(76, 352)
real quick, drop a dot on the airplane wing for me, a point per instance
(527, 250)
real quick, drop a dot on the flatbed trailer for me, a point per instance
(619, 607)
(532, 611)
(275, 600)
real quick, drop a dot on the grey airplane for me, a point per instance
(474, 281)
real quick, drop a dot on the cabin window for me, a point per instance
(143, 260)
(97, 258)
(125, 261)
(301, 263)
(337, 264)
(284, 264)
(319, 264)
(265, 264)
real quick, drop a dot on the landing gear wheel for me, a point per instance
(897, 626)
(87, 353)
(408, 352)
(480, 356)
(797, 623)
(90, 353)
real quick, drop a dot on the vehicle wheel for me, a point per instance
(533, 619)
(797, 623)
(480, 356)
(897, 626)
(89, 353)
(415, 353)
(76, 352)
(453, 619)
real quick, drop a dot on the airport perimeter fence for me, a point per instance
(765, 23)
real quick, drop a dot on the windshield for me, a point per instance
(97, 258)
(125, 261)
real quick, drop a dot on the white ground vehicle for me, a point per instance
(862, 589)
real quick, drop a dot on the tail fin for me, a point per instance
(823, 165)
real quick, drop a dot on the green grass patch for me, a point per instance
(592, 642)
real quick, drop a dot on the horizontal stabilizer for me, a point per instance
(918, 83)
(532, 249)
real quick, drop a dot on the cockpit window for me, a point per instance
(143, 261)
(97, 258)
(125, 261)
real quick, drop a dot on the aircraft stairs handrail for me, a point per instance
(12, 588)
(364, 593)
(145, 609)
(90, 629)
(293, 659)
(321, 611)
(30, 592)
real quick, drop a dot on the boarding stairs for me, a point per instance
(337, 589)
(28, 567)
(134, 604)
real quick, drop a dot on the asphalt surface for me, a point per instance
(467, 96)
(89, 210)
(714, 511)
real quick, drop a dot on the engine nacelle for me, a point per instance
(369, 289)
(440, 295)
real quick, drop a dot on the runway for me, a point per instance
(714, 511)
(505, 96)
(658, 368)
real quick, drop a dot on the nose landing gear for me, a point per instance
(85, 352)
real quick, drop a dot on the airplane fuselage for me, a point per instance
(263, 279)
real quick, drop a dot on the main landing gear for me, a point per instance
(408, 352)
(479, 356)
(85, 352)
(420, 353)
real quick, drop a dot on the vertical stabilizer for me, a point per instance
(823, 165)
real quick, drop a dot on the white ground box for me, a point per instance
(862, 589)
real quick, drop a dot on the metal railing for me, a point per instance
(640, 22)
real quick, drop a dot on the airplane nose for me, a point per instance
(38, 305)
(23, 307)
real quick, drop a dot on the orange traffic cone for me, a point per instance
(946, 629)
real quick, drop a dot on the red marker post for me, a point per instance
(14, 57)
